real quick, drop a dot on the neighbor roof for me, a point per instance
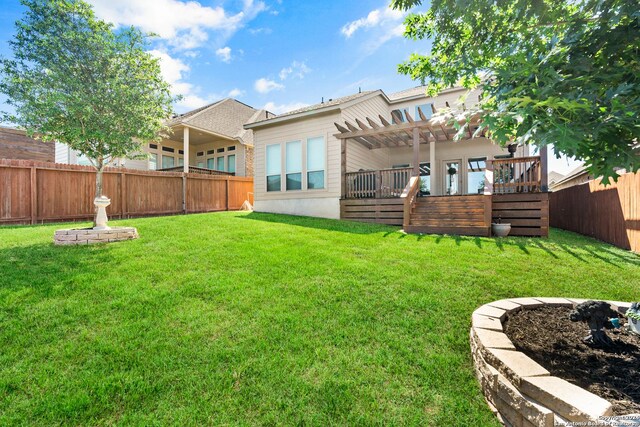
(225, 117)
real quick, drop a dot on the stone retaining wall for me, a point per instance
(87, 236)
(520, 391)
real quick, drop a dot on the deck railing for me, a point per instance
(376, 184)
(195, 169)
(517, 175)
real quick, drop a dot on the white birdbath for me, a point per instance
(101, 218)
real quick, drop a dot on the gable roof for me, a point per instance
(330, 105)
(225, 117)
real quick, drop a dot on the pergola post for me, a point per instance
(343, 168)
(416, 151)
(433, 166)
(544, 177)
(185, 149)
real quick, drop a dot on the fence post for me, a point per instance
(184, 192)
(34, 195)
(227, 204)
(123, 199)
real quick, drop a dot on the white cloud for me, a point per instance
(283, 108)
(235, 93)
(295, 70)
(173, 71)
(384, 17)
(264, 85)
(184, 25)
(224, 53)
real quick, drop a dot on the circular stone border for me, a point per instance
(88, 236)
(520, 391)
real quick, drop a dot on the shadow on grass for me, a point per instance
(580, 247)
(325, 224)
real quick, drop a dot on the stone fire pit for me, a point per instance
(520, 391)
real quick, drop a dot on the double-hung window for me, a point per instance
(220, 164)
(315, 163)
(231, 163)
(153, 161)
(274, 167)
(294, 165)
(168, 162)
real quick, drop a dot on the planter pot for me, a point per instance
(500, 230)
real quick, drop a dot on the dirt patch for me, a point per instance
(548, 336)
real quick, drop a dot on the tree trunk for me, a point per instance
(99, 167)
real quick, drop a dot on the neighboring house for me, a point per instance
(211, 137)
(15, 144)
(353, 157)
(579, 175)
(554, 177)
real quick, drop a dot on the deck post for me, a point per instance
(343, 168)
(488, 178)
(185, 150)
(416, 152)
(544, 178)
(433, 166)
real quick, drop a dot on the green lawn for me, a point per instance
(254, 319)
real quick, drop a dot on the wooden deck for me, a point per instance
(462, 215)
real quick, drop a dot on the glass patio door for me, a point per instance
(452, 178)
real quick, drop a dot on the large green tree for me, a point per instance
(73, 79)
(561, 72)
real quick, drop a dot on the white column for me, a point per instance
(416, 152)
(435, 170)
(185, 148)
(488, 178)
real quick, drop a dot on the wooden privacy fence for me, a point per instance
(610, 213)
(34, 192)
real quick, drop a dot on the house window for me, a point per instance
(274, 167)
(232, 148)
(209, 152)
(153, 146)
(315, 163)
(153, 161)
(83, 160)
(180, 161)
(231, 163)
(180, 152)
(294, 165)
(210, 164)
(399, 116)
(475, 175)
(426, 109)
(200, 153)
(168, 149)
(201, 164)
(220, 164)
(168, 162)
(220, 150)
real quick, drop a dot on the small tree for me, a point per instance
(561, 72)
(73, 79)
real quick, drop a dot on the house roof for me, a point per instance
(225, 117)
(580, 170)
(408, 93)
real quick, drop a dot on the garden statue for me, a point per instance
(596, 314)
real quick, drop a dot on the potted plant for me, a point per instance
(500, 229)
(633, 314)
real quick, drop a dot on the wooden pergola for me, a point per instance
(409, 133)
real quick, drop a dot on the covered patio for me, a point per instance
(435, 193)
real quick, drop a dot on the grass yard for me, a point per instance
(254, 319)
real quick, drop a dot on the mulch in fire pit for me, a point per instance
(549, 337)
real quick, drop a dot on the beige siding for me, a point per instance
(360, 157)
(299, 130)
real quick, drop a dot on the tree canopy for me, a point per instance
(561, 72)
(74, 79)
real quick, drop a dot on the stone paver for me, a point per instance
(487, 310)
(505, 304)
(493, 339)
(556, 302)
(572, 402)
(527, 303)
(486, 322)
(514, 365)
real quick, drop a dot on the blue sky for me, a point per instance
(273, 54)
